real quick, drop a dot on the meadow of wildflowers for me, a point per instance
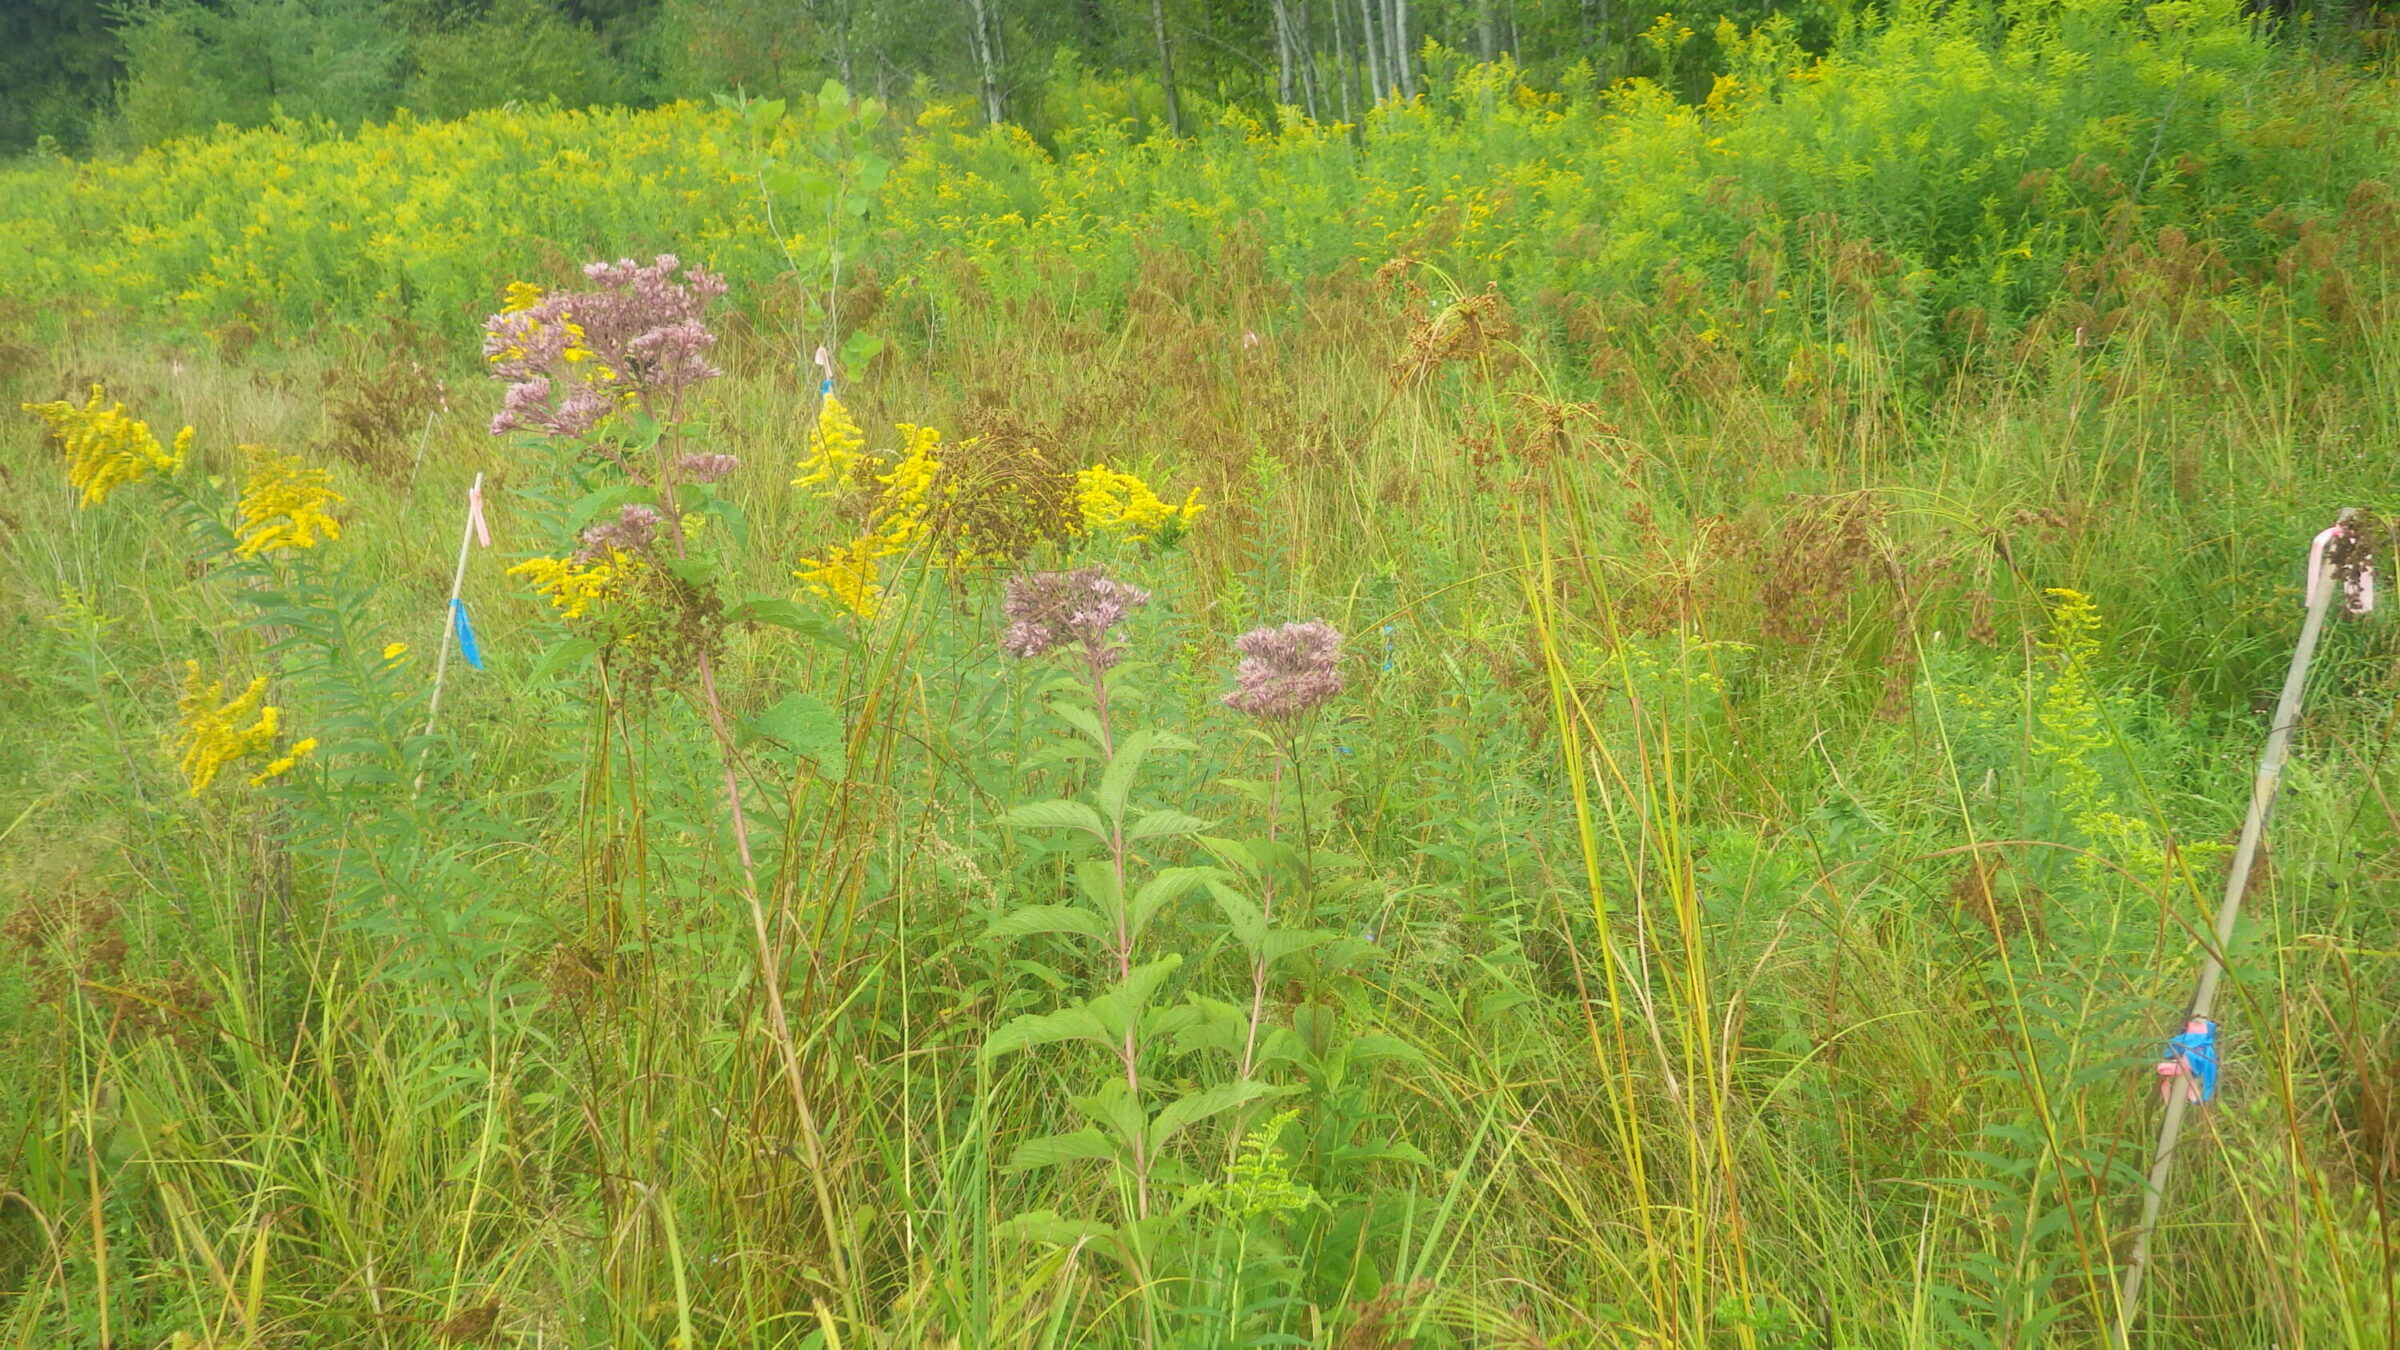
(1562, 718)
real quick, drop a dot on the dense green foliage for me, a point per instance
(1813, 533)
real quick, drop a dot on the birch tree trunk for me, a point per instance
(1280, 14)
(1370, 41)
(980, 36)
(1166, 66)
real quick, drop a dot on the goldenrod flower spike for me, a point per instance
(835, 447)
(284, 504)
(846, 575)
(210, 731)
(1123, 506)
(105, 447)
(573, 585)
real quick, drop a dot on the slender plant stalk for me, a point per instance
(2263, 790)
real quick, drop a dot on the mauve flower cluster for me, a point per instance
(1287, 672)
(1049, 610)
(633, 531)
(706, 467)
(641, 330)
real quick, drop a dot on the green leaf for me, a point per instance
(1168, 886)
(1056, 815)
(1033, 1029)
(802, 724)
(592, 504)
(572, 652)
(1084, 1145)
(1049, 919)
(786, 614)
(1115, 1107)
(1242, 914)
(1363, 1049)
(1116, 782)
(1164, 824)
(1097, 879)
(1045, 1225)
(1079, 718)
(1186, 1111)
(698, 572)
(860, 348)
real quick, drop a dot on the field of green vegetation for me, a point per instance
(1756, 609)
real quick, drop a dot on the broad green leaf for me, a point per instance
(1097, 879)
(1057, 815)
(1045, 1225)
(1050, 1150)
(1168, 886)
(787, 614)
(1241, 914)
(1364, 1049)
(1189, 1110)
(1049, 919)
(1067, 1024)
(592, 505)
(572, 652)
(698, 572)
(1114, 1107)
(1163, 824)
(1120, 1009)
(1079, 718)
(802, 724)
(860, 348)
(1116, 782)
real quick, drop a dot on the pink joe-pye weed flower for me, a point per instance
(643, 332)
(633, 531)
(1287, 672)
(1050, 610)
(706, 467)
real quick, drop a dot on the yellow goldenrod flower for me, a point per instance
(283, 504)
(835, 447)
(521, 296)
(1122, 506)
(846, 575)
(393, 653)
(908, 491)
(573, 587)
(105, 448)
(211, 734)
(278, 767)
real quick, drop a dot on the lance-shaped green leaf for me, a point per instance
(566, 655)
(1163, 824)
(802, 724)
(1084, 1145)
(1241, 913)
(1120, 1009)
(1170, 885)
(1191, 1109)
(1079, 718)
(1032, 919)
(1116, 782)
(1097, 879)
(1214, 1025)
(1115, 1108)
(1057, 815)
(1061, 814)
(1045, 1225)
(1067, 1024)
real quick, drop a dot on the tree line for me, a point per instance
(79, 76)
